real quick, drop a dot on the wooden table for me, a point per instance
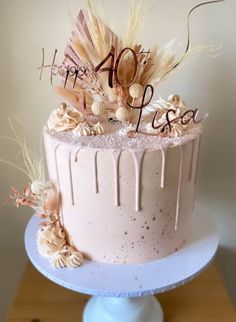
(203, 300)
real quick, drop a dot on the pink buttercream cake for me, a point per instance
(124, 200)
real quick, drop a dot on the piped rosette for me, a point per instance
(67, 118)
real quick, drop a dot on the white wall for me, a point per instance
(205, 82)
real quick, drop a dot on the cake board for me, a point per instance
(125, 292)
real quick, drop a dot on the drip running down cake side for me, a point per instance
(125, 205)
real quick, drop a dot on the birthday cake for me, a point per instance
(122, 164)
(124, 200)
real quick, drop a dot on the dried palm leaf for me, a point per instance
(74, 97)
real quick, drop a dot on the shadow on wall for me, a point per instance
(226, 262)
(219, 143)
(217, 175)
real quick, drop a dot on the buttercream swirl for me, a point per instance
(58, 261)
(63, 119)
(98, 129)
(76, 259)
(160, 108)
(83, 129)
(177, 130)
(70, 257)
(50, 240)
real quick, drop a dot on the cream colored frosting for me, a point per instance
(58, 261)
(177, 130)
(76, 259)
(64, 118)
(67, 256)
(98, 129)
(88, 129)
(51, 243)
(161, 107)
(50, 240)
(83, 129)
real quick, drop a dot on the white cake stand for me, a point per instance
(124, 293)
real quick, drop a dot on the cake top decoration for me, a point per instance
(109, 78)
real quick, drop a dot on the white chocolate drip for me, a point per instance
(190, 177)
(71, 180)
(94, 154)
(163, 167)
(196, 170)
(58, 182)
(194, 197)
(179, 187)
(197, 162)
(54, 168)
(50, 170)
(138, 159)
(76, 155)
(116, 159)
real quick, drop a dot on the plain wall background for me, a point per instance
(205, 82)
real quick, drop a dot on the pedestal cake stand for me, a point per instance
(124, 293)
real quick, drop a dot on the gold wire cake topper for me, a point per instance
(103, 70)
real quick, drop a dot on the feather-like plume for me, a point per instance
(161, 60)
(136, 13)
(32, 165)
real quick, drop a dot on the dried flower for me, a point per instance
(24, 199)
